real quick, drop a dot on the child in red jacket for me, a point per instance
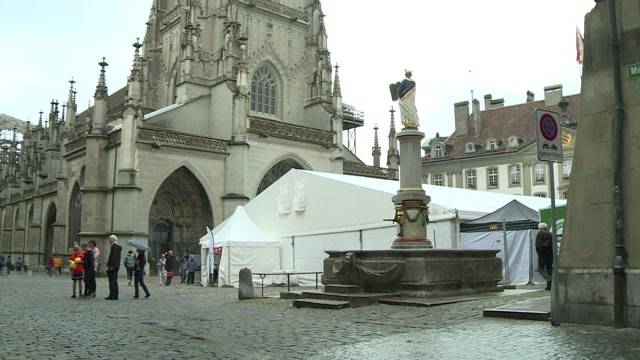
(77, 270)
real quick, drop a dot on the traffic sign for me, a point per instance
(549, 136)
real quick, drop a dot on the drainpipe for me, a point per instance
(619, 275)
(113, 186)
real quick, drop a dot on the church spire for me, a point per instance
(337, 92)
(101, 89)
(71, 107)
(134, 91)
(393, 156)
(100, 102)
(376, 148)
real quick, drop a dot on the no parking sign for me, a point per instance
(549, 136)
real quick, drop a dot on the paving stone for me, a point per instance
(38, 319)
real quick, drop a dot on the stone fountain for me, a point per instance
(411, 267)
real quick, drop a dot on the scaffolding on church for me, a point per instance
(352, 120)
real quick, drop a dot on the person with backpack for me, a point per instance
(129, 261)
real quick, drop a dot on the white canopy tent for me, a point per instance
(312, 212)
(511, 230)
(243, 245)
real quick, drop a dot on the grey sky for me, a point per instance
(502, 47)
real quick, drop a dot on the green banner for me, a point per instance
(634, 71)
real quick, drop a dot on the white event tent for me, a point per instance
(243, 245)
(312, 212)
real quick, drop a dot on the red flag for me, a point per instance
(579, 46)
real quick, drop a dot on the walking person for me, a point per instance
(192, 265)
(182, 268)
(113, 266)
(161, 262)
(2, 265)
(50, 267)
(138, 273)
(57, 265)
(9, 265)
(170, 266)
(77, 270)
(89, 272)
(544, 248)
(128, 265)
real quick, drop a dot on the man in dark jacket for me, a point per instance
(113, 265)
(89, 272)
(544, 248)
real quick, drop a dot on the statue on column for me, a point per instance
(405, 93)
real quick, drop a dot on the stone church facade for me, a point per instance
(224, 97)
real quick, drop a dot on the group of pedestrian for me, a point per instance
(84, 266)
(135, 268)
(187, 268)
(7, 265)
(169, 266)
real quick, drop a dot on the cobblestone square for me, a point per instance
(39, 320)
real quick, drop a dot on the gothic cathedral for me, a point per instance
(223, 98)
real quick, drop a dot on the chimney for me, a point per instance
(552, 95)
(497, 103)
(461, 111)
(531, 97)
(476, 116)
(487, 102)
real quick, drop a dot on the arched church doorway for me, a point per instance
(179, 213)
(276, 172)
(75, 216)
(48, 234)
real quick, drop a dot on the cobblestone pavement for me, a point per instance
(38, 319)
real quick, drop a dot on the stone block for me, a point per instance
(245, 285)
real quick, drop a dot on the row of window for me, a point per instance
(515, 175)
(492, 144)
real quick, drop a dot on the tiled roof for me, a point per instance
(115, 105)
(501, 124)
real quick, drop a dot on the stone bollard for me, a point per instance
(245, 285)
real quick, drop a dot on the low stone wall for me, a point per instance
(423, 273)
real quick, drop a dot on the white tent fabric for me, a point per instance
(521, 267)
(312, 212)
(243, 245)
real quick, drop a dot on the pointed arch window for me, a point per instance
(263, 92)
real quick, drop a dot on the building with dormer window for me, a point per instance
(495, 149)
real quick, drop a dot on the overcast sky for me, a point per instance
(502, 47)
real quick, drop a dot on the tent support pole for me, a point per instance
(506, 253)
(293, 251)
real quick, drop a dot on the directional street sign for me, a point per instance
(549, 136)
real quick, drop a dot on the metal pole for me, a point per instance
(555, 304)
(619, 275)
(293, 251)
(434, 239)
(531, 265)
(506, 253)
